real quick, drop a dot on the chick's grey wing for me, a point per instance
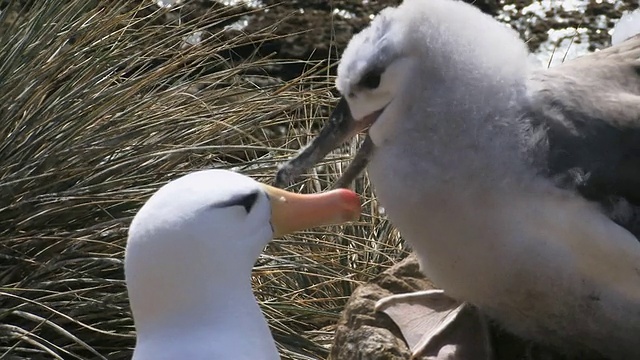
(588, 112)
(585, 118)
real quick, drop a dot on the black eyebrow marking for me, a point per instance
(245, 200)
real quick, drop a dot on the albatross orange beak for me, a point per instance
(292, 212)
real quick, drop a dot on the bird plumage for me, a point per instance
(586, 115)
(189, 257)
(515, 185)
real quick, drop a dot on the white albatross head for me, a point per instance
(189, 256)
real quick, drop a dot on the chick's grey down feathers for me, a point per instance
(517, 186)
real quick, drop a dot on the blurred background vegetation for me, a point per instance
(102, 102)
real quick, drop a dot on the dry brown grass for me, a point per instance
(101, 105)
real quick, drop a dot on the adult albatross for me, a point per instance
(518, 187)
(189, 257)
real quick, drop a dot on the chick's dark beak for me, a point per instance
(340, 128)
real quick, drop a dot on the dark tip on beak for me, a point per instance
(357, 165)
(340, 127)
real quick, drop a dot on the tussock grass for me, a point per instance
(102, 102)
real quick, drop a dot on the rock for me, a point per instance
(364, 334)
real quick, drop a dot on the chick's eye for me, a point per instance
(370, 80)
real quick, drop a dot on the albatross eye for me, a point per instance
(370, 80)
(245, 200)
